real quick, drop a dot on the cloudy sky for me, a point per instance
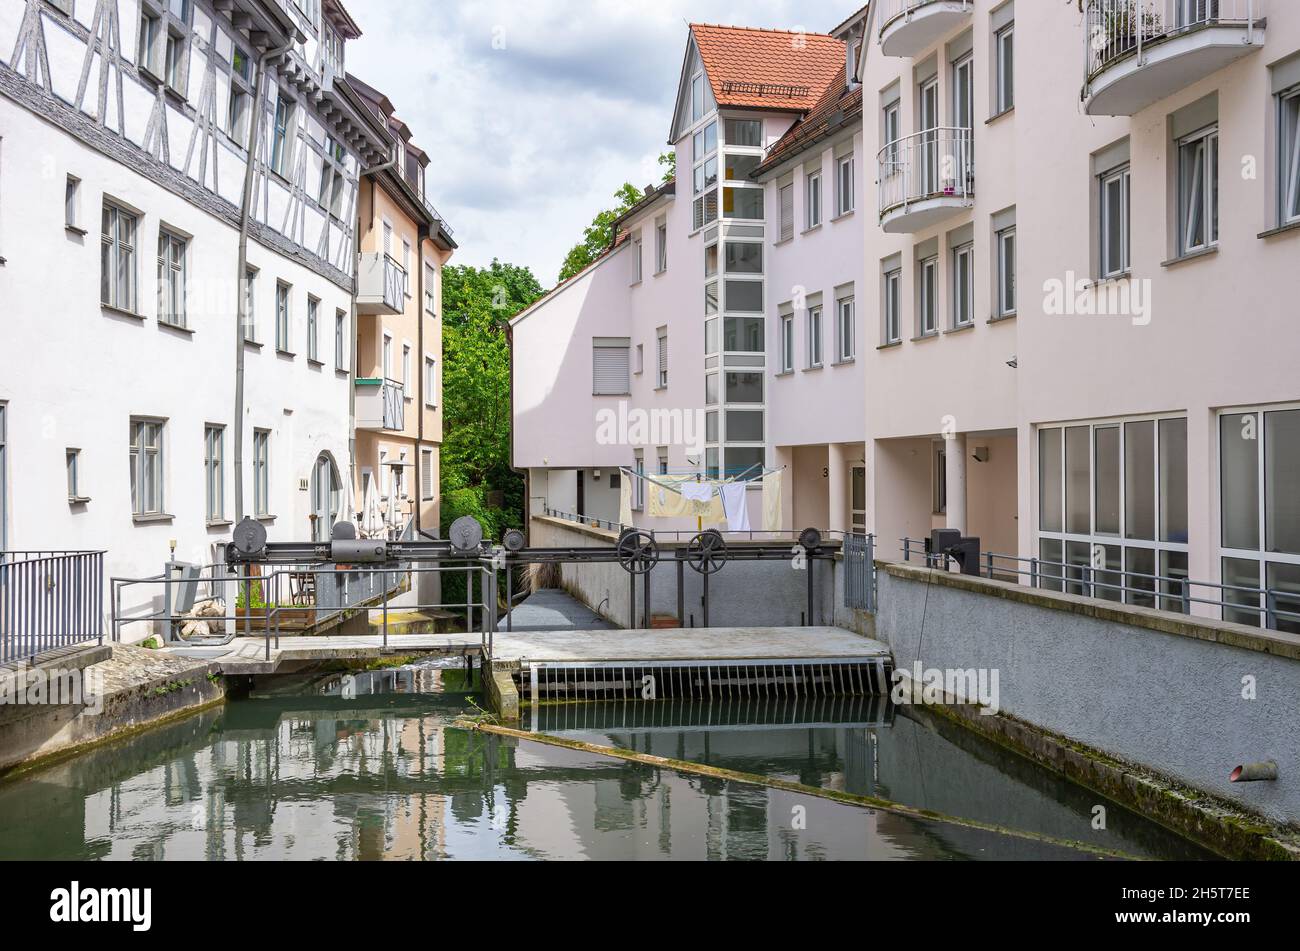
(535, 112)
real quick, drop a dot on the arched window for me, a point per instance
(326, 497)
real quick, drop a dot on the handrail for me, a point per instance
(934, 163)
(1117, 29)
(891, 10)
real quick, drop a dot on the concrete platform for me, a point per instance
(552, 610)
(247, 656)
(758, 644)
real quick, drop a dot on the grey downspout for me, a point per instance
(420, 400)
(241, 305)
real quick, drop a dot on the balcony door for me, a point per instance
(929, 120)
(963, 115)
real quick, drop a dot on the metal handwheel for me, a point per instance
(637, 551)
(707, 552)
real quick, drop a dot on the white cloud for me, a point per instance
(534, 114)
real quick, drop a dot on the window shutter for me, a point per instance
(787, 212)
(426, 474)
(610, 366)
(663, 353)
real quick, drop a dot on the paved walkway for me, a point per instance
(752, 644)
(553, 610)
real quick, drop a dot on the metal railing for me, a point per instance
(860, 572)
(891, 10)
(1173, 593)
(49, 599)
(266, 604)
(1117, 29)
(394, 405)
(936, 163)
(585, 520)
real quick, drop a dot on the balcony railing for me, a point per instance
(381, 404)
(909, 26)
(381, 285)
(930, 174)
(1119, 30)
(48, 600)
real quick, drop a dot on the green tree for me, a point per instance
(477, 303)
(669, 161)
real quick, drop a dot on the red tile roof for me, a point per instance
(838, 105)
(770, 69)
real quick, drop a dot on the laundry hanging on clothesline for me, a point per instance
(716, 502)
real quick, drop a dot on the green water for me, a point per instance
(374, 769)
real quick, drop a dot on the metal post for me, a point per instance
(631, 604)
(510, 597)
(1033, 572)
(1270, 609)
(491, 598)
(706, 598)
(1187, 596)
(681, 595)
(871, 573)
(386, 592)
(469, 600)
(907, 549)
(645, 612)
(811, 561)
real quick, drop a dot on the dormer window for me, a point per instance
(855, 51)
(332, 49)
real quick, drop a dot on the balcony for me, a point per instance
(907, 27)
(925, 178)
(381, 405)
(381, 285)
(1137, 52)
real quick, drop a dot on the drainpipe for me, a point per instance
(241, 305)
(420, 400)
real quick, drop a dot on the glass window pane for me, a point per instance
(743, 203)
(744, 426)
(1173, 480)
(1077, 509)
(1245, 574)
(1049, 571)
(1239, 491)
(743, 334)
(744, 387)
(1108, 578)
(738, 167)
(746, 296)
(743, 460)
(744, 259)
(711, 336)
(1049, 480)
(745, 132)
(1107, 463)
(1139, 480)
(1282, 481)
(711, 389)
(1078, 557)
(1284, 583)
(1173, 569)
(1140, 569)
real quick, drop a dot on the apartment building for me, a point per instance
(158, 379)
(723, 323)
(398, 402)
(1083, 256)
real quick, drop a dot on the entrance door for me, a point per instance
(326, 493)
(858, 499)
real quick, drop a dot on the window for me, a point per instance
(745, 132)
(72, 204)
(963, 92)
(814, 200)
(313, 330)
(661, 246)
(929, 297)
(241, 96)
(610, 366)
(844, 329)
(340, 340)
(426, 475)
(639, 367)
(1289, 137)
(1198, 191)
(407, 381)
(430, 383)
(73, 464)
(430, 290)
(939, 482)
(1115, 222)
(250, 297)
(282, 137)
(171, 279)
(893, 304)
(814, 337)
(261, 473)
(963, 291)
(1004, 42)
(283, 316)
(386, 356)
(406, 267)
(787, 212)
(638, 483)
(745, 296)
(704, 176)
(743, 335)
(117, 261)
(662, 454)
(928, 120)
(146, 467)
(636, 258)
(697, 98)
(787, 343)
(332, 180)
(1113, 510)
(745, 203)
(663, 358)
(1260, 512)
(892, 131)
(844, 186)
(176, 60)
(214, 440)
(1006, 241)
(147, 50)
(744, 258)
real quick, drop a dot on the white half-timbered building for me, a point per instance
(158, 379)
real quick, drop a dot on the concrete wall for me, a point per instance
(766, 594)
(1156, 690)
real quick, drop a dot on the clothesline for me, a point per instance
(712, 500)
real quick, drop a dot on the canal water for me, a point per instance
(371, 766)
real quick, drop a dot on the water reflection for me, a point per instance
(370, 767)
